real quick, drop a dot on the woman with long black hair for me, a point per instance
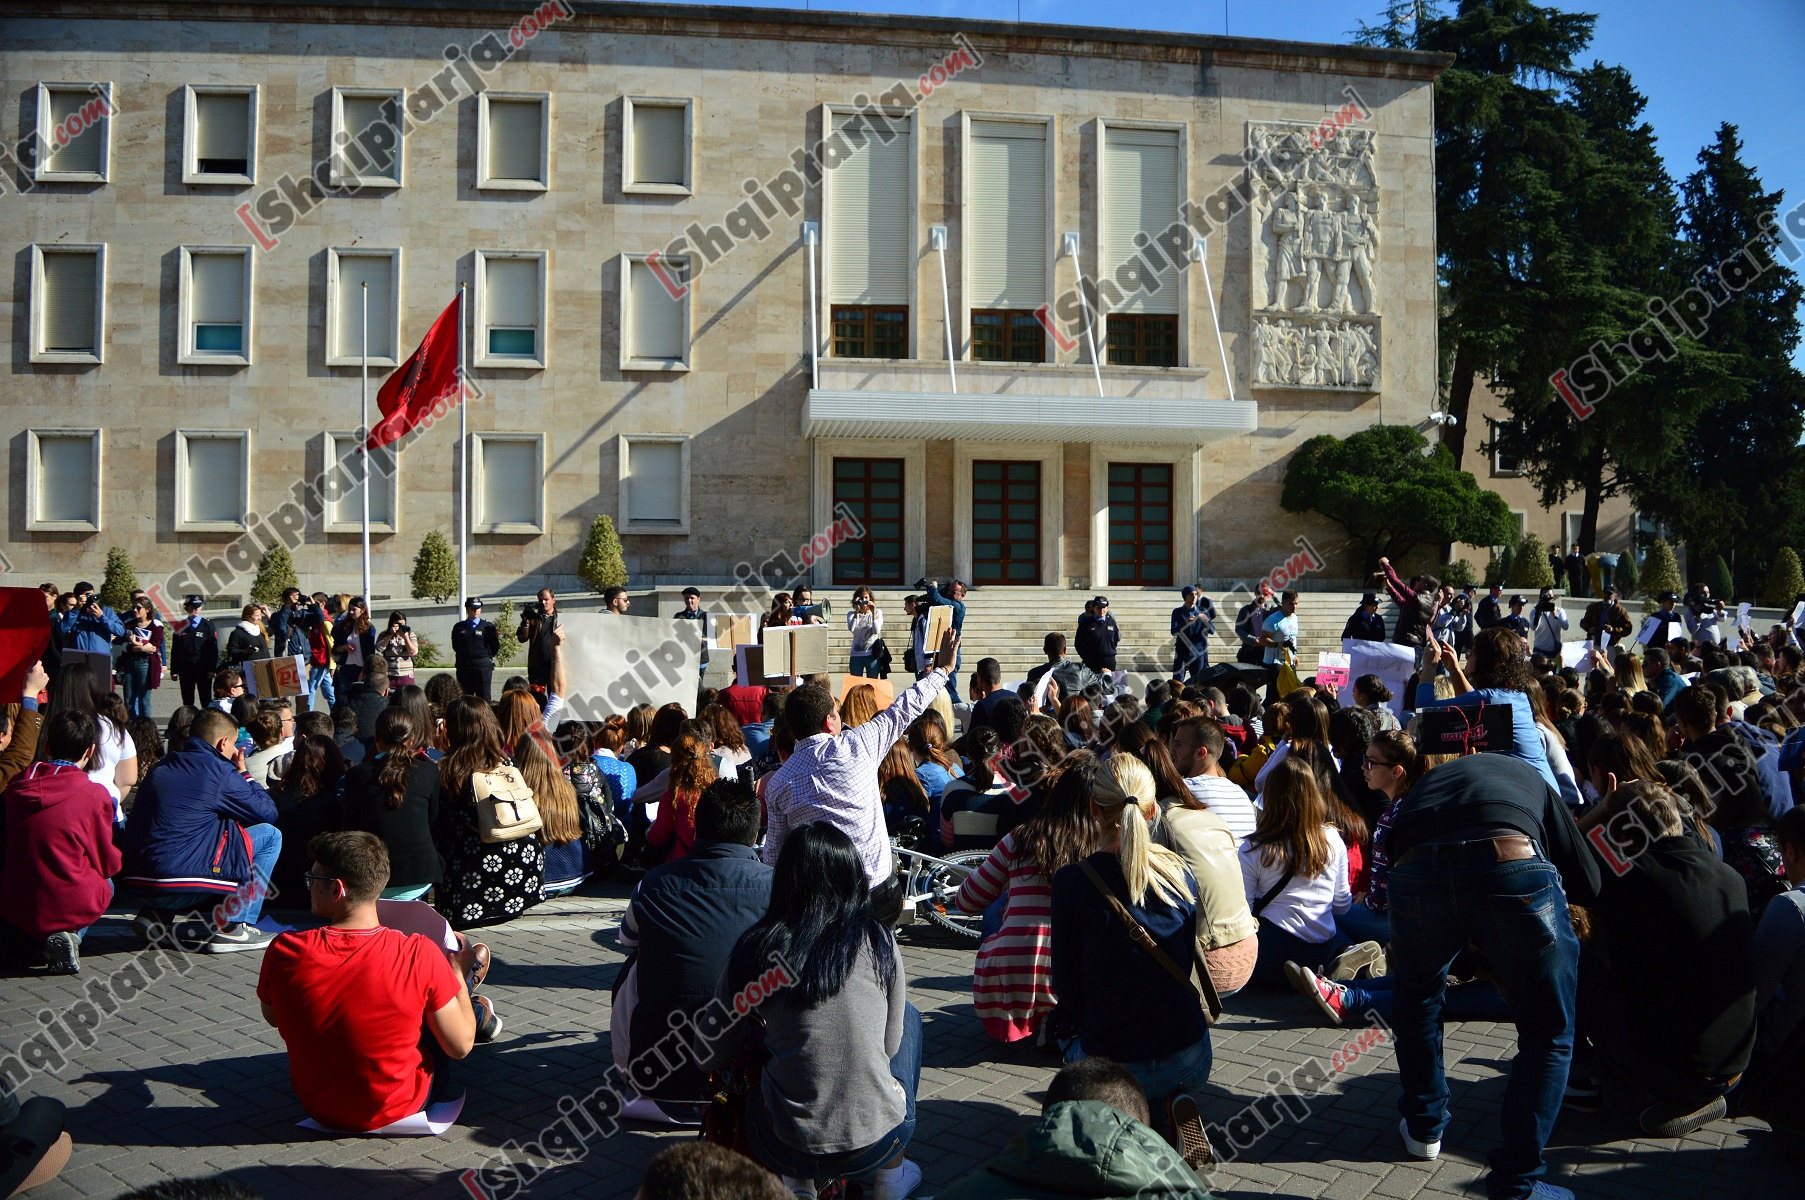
(837, 1098)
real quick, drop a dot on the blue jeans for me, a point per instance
(135, 672)
(266, 847)
(1515, 914)
(905, 1068)
(860, 664)
(1361, 924)
(319, 683)
(1276, 946)
(1475, 1001)
(1186, 1071)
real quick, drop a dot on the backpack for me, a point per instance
(319, 645)
(505, 809)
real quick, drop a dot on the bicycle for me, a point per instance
(929, 884)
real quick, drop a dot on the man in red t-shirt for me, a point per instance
(366, 1011)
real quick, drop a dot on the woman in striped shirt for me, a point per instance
(1012, 984)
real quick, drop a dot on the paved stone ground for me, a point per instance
(185, 1079)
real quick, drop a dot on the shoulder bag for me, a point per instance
(1197, 979)
(505, 810)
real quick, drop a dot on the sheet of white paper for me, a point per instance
(417, 916)
(1393, 664)
(1604, 639)
(1574, 653)
(1040, 689)
(1798, 613)
(1650, 627)
(434, 1121)
(615, 662)
(1742, 616)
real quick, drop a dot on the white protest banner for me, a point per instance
(615, 662)
(1392, 663)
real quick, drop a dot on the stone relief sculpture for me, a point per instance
(1315, 251)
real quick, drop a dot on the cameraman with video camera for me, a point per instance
(1547, 624)
(89, 626)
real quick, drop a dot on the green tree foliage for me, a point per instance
(602, 565)
(1459, 573)
(1530, 569)
(1391, 492)
(275, 574)
(1629, 575)
(1660, 573)
(435, 574)
(1785, 580)
(430, 655)
(120, 581)
(507, 651)
(1717, 575)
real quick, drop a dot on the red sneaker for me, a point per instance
(1327, 993)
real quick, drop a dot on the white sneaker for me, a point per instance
(1426, 1151)
(1549, 1191)
(894, 1183)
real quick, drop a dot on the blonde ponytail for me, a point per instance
(1146, 865)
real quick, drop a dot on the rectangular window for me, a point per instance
(871, 250)
(221, 141)
(654, 331)
(366, 136)
(510, 308)
(1006, 233)
(509, 469)
(74, 132)
(68, 304)
(1504, 461)
(212, 485)
(656, 153)
(1142, 191)
(1142, 341)
(870, 331)
(654, 486)
(347, 271)
(344, 508)
(62, 480)
(871, 489)
(1005, 335)
(513, 138)
(216, 305)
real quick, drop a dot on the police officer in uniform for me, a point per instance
(474, 645)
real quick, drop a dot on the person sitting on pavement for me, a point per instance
(59, 857)
(1092, 1141)
(202, 829)
(698, 1170)
(680, 926)
(1196, 751)
(1294, 869)
(371, 1016)
(836, 1099)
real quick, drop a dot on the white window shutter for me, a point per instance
(655, 482)
(216, 294)
(654, 319)
(353, 271)
(222, 123)
(65, 478)
(361, 112)
(510, 473)
(215, 473)
(1006, 242)
(82, 154)
(1141, 194)
(68, 320)
(660, 152)
(870, 250)
(515, 127)
(513, 298)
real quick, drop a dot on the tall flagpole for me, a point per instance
(463, 460)
(363, 420)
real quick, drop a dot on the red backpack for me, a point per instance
(319, 645)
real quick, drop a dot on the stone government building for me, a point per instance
(185, 310)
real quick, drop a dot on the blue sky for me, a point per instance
(1698, 63)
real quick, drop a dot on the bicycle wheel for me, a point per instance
(941, 881)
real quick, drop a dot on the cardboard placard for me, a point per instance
(749, 665)
(273, 678)
(940, 619)
(775, 639)
(737, 629)
(1332, 670)
(24, 635)
(795, 650)
(1465, 729)
(615, 662)
(885, 690)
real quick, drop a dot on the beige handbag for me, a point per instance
(505, 810)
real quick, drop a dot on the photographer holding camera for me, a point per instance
(89, 627)
(1547, 624)
(1704, 618)
(866, 624)
(399, 645)
(542, 631)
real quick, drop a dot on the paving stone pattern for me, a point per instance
(185, 1079)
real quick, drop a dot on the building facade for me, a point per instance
(1037, 305)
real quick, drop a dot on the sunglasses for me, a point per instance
(1370, 761)
(308, 878)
